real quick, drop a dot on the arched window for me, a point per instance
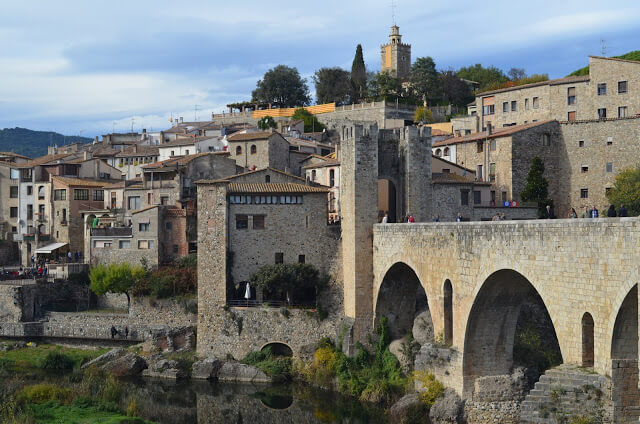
(313, 175)
(267, 178)
(332, 178)
(239, 150)
(448, 312)
(446, 151)
(254, 150)
(438, 152)
(587, 340)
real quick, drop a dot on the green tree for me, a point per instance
(422, 114)
(537, 188)
(384, 86)
(266, 122)
(358, 76)
(454, 90)
(626, 189)
(516, 74)
(115, 278)
(282, 86)
(424, 80)
(288, 281)
(332, 85)
(311, 123)
(483, 76)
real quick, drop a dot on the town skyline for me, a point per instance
(97, 82)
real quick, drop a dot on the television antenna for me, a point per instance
(603, 49)
(133, 120)
(195, 112)
(393, 11)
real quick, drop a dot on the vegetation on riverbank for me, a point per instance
(45, 356)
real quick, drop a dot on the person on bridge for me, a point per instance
(586, 213)
(437, 218)
(548, 213)
(611, 212)
(459, 217)
(411, 219)
(385, 218)
(593, 213)
(572, 213)
(622, 212)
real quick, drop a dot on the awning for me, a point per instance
(50, 247)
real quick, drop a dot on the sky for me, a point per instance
(89, 68)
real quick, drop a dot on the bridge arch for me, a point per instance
(508, 325)
(278, 348)
(588, 340)
(400, 298)
(447, 311)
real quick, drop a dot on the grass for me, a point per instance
(35, 357)
(54, 413)
(272, 365)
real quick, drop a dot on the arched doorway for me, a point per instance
(508, 326)
(447, 293)
(403, 301)
(387, 200)
(587, 340)
(624, 358)
(278, 349)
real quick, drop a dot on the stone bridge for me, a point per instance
(478, 277)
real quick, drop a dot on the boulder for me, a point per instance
(235, 371)
(396, 348)
(408, 409)
(207, 369)
(107, 357)
(129, 365)
(423, 328)
(449, 409)
(168, 373)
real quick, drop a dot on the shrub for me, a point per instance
(432, 388)
(271, 364)
(42, 393)
(57, 361)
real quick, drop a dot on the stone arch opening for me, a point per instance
(447, 305)
(508, 327)
(403, 301)
(624, 359)
(387, 200)
(587, 340)
(278, 349)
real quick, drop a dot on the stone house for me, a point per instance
(9, 182)
(131, 160)
(325, 170)
(259, 150)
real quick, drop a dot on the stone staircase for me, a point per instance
(567, 390)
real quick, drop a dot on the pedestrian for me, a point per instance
(437, 218)
(622, 212)
(496, 217)
(411, 219)
(459, 217)
(69, 256)
(385, 218)
(126, 332)
(611, 212)
(594, 212)
(548, 213)
(76, 256)
(503, 217)
(586, 213)
(113, 331)
(572, 213)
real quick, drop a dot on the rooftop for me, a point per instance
(565, 80)
(451, 178)
(274, 188)
(180, 160)
(262, 135)
(84, 182)
(502, 132)
(231, 177)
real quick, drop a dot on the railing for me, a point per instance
(269, 304)
(112, 232)
(500, 204)
(32, 237)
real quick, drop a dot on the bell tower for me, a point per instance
(395, 57)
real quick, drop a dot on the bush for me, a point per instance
(432, 388)
(57, 361)
(271, 364)
(170, 281)
(42, 393)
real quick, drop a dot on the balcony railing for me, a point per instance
(111, 232)
(32, 237)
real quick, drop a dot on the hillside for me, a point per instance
(634, 55)
(33, 143)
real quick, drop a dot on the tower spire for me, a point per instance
(393, 12)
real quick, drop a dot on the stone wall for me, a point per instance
(9, 254)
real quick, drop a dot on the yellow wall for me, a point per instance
(442, 126)
(286, 112)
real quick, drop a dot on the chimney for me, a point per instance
(181, 119)
(85, 155)
(135, 148)
(489, 128)
(95, 140)
(144, 131)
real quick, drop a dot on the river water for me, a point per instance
(213, 403)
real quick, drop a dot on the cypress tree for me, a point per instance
(358, 75)
(537, 188)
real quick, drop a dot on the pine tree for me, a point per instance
(358, 76)
(537, 188)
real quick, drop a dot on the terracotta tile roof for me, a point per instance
(148, 208)
(617, 59)
(70, 181)
(134, 151)
(178, 160)
(457, 165)
(451, 178)
(231, 177)
(273, 188)
(175, 212)
(263, 135)
(437, 132)
(328, 163)
(565, 80)
(13, 155)
(501, 132)
(43, 160)
(179, 142)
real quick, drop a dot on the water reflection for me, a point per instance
(209, 403)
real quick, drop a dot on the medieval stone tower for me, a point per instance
(367, 154)
(395, 57)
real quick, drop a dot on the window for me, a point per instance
(13, 213)
(492, 145)
(145, 244)
(571, 116)
(279, 257)
(168, 225)
(504, 196)
(81, 194)
(124, 244)
(584, 169)
(290, 200)
(41, 193)
(581, 143)
(15, 174)
(13, 192)
(258, 222)
(607, 190)
(602, 89)
(332, 178)
(479, 146)
(29, 190)
(536, 102)
(479, 174)
(438, 152)
(15, 230)
(267, 178)
(41, 211)
(242, 222)
(313, 175)
(164, 200)
(301, 259)
(254, 149)
(238, 150)
(133, 203)
(102, 244)
(584, 193)
(526, 104)
(143, 226)
(492, 172)
(514, 106)
(609, 167)
(98, 195)
(546, 139)
(622, 87)
(488, 110)
(609, 141)
(172, 153)
(571, 96)
(464, 197)
(477, 197)
(186, 152)
(622, 112)
(505, 107)
(602, 113)
(446, 151)
(29, 212)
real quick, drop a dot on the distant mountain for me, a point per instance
(634, 55)
(34, 143)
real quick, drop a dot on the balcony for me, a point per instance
(111, 232)
(32, 237)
